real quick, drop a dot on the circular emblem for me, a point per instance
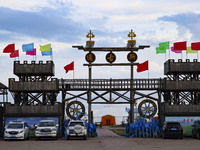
(110, 57)
(132, 57)
(90, 57)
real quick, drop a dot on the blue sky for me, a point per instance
(64, 23)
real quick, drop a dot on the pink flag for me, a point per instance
(32, 53)
(175, 51)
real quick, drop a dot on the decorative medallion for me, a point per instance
(90, 57)
(132, 57)
(110, 57)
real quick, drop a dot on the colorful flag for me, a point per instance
(9, 48)
(164, 45)
(14, 54)
(180, 45)
(47, 53)
(143, 66)
(175, 51)
(28, 47)
(189, 50)
(195, 46)
(45, 48)
(69, 67)
(32, 53)
(158, 50)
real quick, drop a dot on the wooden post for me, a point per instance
(63, 107)
(89, 97)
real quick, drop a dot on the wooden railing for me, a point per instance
(103, 84)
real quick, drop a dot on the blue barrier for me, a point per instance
(144, 129)
(91, 128)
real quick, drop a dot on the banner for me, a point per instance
(143, 66)
(69, 67)
(28, 47)
(9, 48)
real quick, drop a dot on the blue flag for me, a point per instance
(28, 47)
(47, 53)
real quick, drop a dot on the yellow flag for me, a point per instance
(189, 50)
(45, 48)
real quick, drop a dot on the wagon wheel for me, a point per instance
(75, 110)
(147, 108)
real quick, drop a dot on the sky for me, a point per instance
(64, 23)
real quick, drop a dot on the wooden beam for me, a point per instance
(109, 64)
(113, 49)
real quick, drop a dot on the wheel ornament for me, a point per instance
(147, 108)
(75, 110)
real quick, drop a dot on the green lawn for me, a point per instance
(120, 132)
(187, 130)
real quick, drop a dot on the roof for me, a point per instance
(2, 86)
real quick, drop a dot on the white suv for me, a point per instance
(16, 130)
(46, 129)
(76, 128)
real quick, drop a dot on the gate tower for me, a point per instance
(181, 89)
(35, 91)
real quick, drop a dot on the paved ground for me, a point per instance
(106, 140)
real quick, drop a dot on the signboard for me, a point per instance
(186, 123)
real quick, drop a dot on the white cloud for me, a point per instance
(155, 66)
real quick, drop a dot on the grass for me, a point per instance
(120, 132)
(187, 130)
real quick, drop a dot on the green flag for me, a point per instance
(164, 45)
(45, 48)
(158, 50)
(189, 50)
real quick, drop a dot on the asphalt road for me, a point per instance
(106, 140)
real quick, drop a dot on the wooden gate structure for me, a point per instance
(101, 91)
(35, 93)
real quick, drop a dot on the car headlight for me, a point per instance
(6, 131)
(20, 131)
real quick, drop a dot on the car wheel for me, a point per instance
(198, 136)
(193, 135)
(56, 137)
(68, 138)
(163, 136)
(85, 138)
(181, 137)
(38, 138)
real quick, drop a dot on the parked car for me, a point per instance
(16, 130)
(196, 130)
(76, 128)
(46, 129)
(172, 129)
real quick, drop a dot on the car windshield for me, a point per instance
(46, 124)
(75, 123)
(15, 126)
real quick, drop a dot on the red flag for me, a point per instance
(9, 49)
(195, 46)
(143, 66)
(180, 46)
(69, 67)
(14, 54)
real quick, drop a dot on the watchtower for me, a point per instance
(34, 78)
(35, 91)
(181, 88)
